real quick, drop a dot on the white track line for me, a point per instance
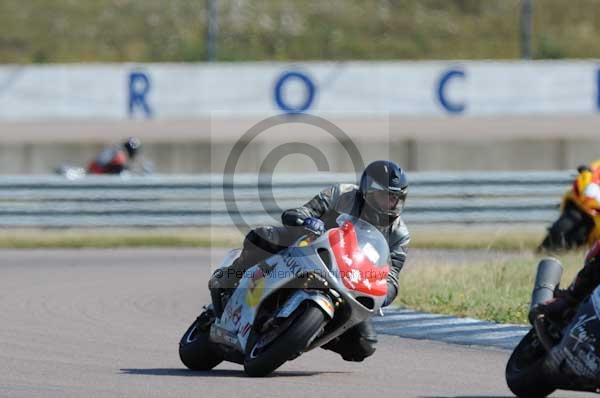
(468, 331)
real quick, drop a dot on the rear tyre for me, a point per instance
(557, 235)
(525, 374)
(262, 360)
(570, 230)
(196, 351)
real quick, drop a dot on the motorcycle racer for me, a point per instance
(114, 160)
(378, 199)
(579, 221)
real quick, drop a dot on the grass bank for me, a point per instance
(116, 238)
(493, 237)
(43, 31)
(498, 291)
(438, 237)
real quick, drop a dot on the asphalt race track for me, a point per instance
(101, 323)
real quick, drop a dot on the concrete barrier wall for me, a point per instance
(184, 91)
(198, 157)
(511, 143)
(556, 143)
(426, 115)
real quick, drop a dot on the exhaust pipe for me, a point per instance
(547, 279)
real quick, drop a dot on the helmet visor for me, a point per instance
(388, 201)
(384, 201)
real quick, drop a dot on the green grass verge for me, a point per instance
(513, 238)
(497, 291)
(446, 237)
(87, 238)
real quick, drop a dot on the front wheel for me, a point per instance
(196, 351)
(264, 354)
(525, 373)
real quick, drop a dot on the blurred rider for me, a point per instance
(115, 159)
(378, 199)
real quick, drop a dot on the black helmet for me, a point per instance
(384, 186)
(132, 146)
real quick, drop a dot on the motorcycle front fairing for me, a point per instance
(577, 357)
(357, 266)
(333, 259)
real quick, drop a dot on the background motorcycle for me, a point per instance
(579, 220)
(557, 355)
(71, 172)
(294, 301)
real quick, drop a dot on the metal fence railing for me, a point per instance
(52, 201)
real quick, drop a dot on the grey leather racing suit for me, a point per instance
(345, 198)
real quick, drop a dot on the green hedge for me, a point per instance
(173, 30)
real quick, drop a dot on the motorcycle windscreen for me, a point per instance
(581, 342)
(362, 255)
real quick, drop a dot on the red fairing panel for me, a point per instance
(357, 271)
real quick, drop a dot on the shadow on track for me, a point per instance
(470, 396)
(218, 373)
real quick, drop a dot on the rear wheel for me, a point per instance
(196, 351)
(525, 373)
(570, 230)
(269, 350)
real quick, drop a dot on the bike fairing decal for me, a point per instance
(237, 316)
(218, 333)
(581, 357)
(256, 288)
(233, 313)
(244, 331)
(357, 271)
(579, 333)
(577, 348)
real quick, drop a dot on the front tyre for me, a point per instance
(525, 374)
(196, 350)
(262, 359)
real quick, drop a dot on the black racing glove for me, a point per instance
(558, 309)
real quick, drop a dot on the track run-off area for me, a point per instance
(106, 323)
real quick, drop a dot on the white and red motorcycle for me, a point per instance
(294, 301)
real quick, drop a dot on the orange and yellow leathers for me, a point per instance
(585, 194)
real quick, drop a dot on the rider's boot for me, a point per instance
(206, 318)
(356, 344)
(223, 283)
